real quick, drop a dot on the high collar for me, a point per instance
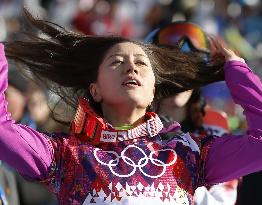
(90, 127)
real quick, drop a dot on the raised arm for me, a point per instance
(234, 156)
(26, 150)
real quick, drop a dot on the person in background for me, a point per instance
(40, 110)
(174, 105)
(16, 95)
(202, 120)
(189, 107)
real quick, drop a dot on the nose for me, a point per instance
(131, 68)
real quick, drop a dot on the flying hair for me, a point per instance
(67, 62)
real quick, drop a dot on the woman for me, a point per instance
(117, 153)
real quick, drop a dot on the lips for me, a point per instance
(131, 81)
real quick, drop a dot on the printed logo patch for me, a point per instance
(107, 136)
(135, 162)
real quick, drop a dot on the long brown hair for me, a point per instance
(68, 62)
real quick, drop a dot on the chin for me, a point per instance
(130, 98)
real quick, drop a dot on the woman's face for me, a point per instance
(125, 76)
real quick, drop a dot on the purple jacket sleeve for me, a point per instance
(233, 156)
(26, 150)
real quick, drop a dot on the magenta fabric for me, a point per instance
(233, 156)
(28, 151)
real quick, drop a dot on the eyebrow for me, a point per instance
(140, 55)
(120, 54)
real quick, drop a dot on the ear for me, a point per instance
(94, 91)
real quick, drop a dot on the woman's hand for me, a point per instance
(219, 48)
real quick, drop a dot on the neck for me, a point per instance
(123, 115)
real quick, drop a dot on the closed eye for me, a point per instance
(117, 62)
(140, 63)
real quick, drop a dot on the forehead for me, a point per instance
(126, 48)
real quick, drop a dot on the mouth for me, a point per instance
(131, 82)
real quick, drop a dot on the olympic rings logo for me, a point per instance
(139, 165)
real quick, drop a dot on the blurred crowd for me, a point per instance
(237, 22)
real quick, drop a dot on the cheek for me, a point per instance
(104, 78)
(106, 82)
(151, 81)
(150, 87)
(108, 73)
